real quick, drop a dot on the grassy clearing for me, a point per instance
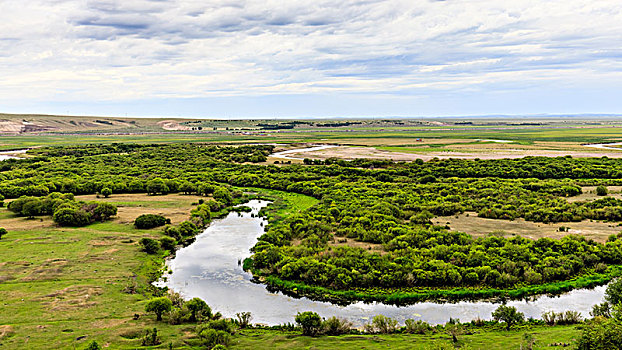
(472, 224)
(482, 339)
(63, 287)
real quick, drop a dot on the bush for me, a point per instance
(150, 246)
(72, 217)
(3, 232)
(310, 322)
(601, 190)
(147, 221)
(106, 192)
(336, 326)
(104, 211)
(417, 327)
(509, 315)
(382, 324)
(151, 337)
(601, 334)
(211, 338)
(93, 346)
(168, 243)
(187, 229)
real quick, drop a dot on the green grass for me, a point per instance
(481, 339)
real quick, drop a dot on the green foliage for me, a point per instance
(244, 319)
(72, 217)
(382, 324)
(509, 315)
(336, 326)
(147, 221)
(151, 337)
(106, 192)
(310, 322)
(149, 245)
(159, 306)
(210, 338)
(417, 327)
(601, 190)
(3, 232)
(168, 243)
(613, 293)
(93, 346)
(199, 309)
(601, 334)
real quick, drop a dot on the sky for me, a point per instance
(316, 58)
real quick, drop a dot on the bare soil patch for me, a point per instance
(50, 269)
(349, 242)
(72, 297)
(5, 331)
(176, 207)
(483, 151)
(589, 194)
(472, 224)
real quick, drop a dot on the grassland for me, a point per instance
(546, 338)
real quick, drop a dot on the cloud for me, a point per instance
(123, 50)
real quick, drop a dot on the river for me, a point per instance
(10, 154)
(209, 269)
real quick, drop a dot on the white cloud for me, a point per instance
(122, 50)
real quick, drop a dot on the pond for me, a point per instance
(209, 269)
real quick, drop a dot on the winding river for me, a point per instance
(209, 269)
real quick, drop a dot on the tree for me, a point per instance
(197, 307)
(106, 192)
(310, 322)
(613, 293)
(3, 232)
(156, 186)
(509, 315)
(159, 306)
(601, 190)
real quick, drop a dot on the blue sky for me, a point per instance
(359, 58)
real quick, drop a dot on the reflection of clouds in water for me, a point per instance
(209, 269)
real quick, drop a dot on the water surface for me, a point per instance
(209, 269)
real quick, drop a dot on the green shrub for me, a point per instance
(147, 221)
(149, 245)
(417, 327)
(3, 232)
(336, 326)
(382, 324)
(310, 322)
(168, 243)
(601, 190)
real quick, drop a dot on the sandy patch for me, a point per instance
(172, 125)
(483, 152)
(476, 226)
(17, 223)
